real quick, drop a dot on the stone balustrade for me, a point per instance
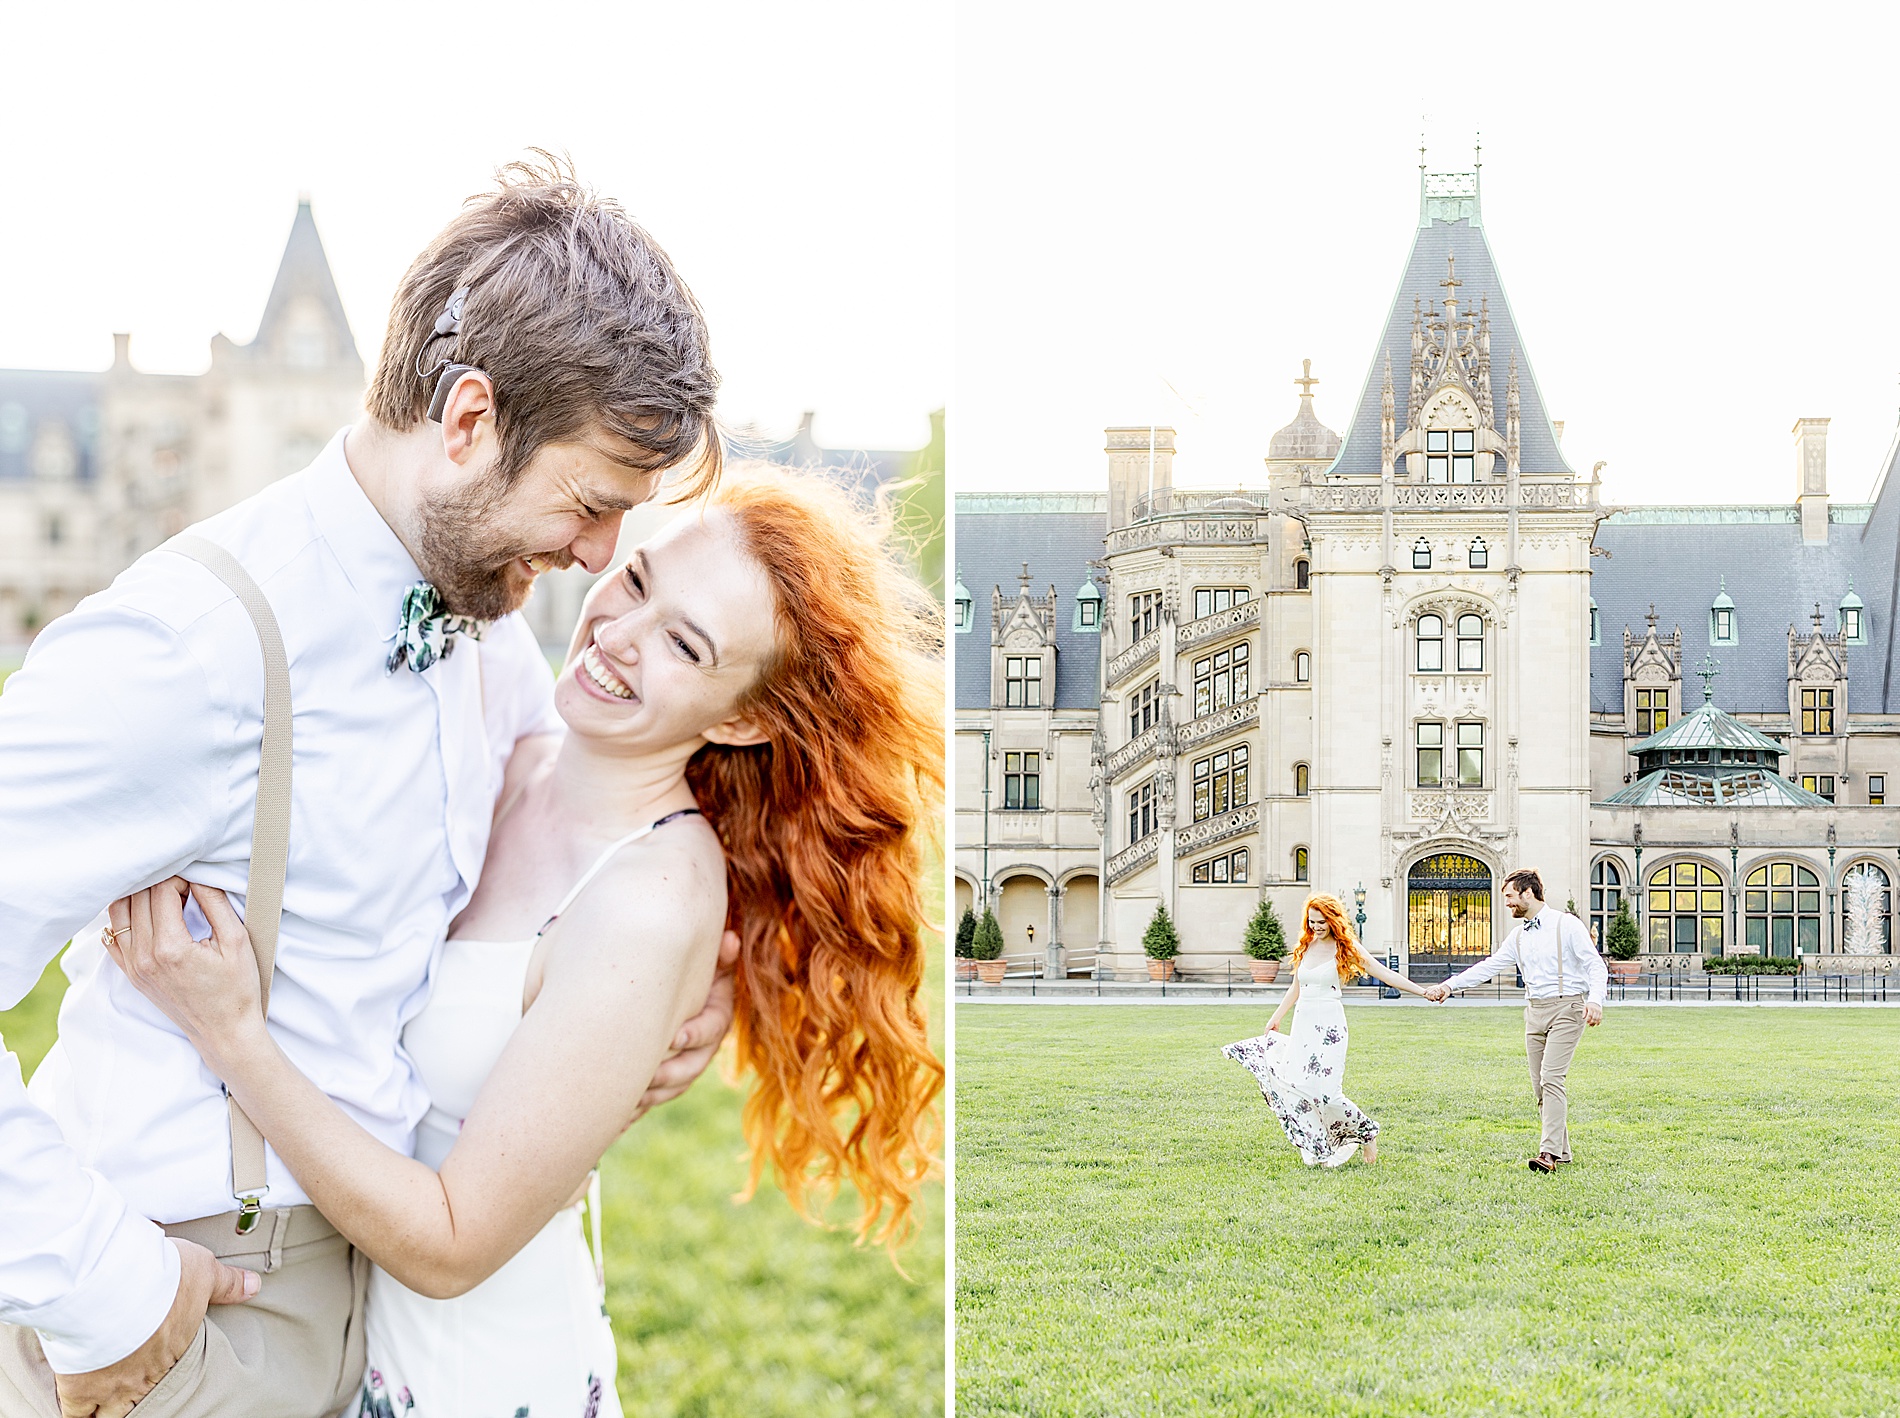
(1134, 657)
(1244, 616)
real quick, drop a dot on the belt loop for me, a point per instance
(280, 1225)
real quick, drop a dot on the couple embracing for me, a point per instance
(394, 931)
(1303, 1077)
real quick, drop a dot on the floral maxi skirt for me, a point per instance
(1301, 1078)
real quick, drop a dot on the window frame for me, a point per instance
(1422, 555)
(1649, 713)
(1437, 641)
(1703, 882)
(1236, 596)
(1302, 667)
(1478, 555)
(1220, 782)
(1762, 905)
(1470, 749)
(1464, 640)
(1227, 869)
(1219, 685)
(1302, 864)
(1817, 711)
(1434, 730)
(1022, 773)
(1143, 812)
(1017, 686)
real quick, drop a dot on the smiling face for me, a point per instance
(1317, 923)
(670, 643)
(483, 545)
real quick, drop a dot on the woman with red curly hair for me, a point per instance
(753, 749)
(1303, 1078)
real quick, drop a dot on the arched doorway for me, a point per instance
(1021, 904)
(1448, 914)
(1081, 914)
(966, 897)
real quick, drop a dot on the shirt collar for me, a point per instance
(373, 559)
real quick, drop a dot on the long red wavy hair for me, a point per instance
(1348, 955)
(824, 826)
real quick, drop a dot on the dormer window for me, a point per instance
(1088, 608)
(1722, 616)
(1480, 554)
(1023, 682)
(1421, 555)
(1853, 618)
(962, 607)
(1451, 455)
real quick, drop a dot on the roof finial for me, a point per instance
(1308, 381)
(1711, 667)
(1652, 615)
(1477, 158)
(1421, 146)
(1024, 578)
(1451, 271)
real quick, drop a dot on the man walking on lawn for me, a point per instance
(1564, 984)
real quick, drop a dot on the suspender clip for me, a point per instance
(249, 1209)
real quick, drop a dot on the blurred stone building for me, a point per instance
(98, 468)
(1417, 655)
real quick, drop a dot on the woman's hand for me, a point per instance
(208, 988)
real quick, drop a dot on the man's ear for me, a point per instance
(468, 417)
(735, 732)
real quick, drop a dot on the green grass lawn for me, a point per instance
(1136, 1236)
(721, 1308)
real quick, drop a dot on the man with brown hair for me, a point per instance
(543, 368)
(1564, 984)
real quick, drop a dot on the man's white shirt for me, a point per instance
(129, 753)
(1534, 951)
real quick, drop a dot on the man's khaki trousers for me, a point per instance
(295, 1350)
(1552, 1028)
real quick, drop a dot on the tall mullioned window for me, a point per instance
(1220, 679)
(1141, 811)
(1431, 644)
(1470, 642)
(1471, 755)
(1821, 783)
(1144, 615)
(1606, 894)
(1211, 599)
(1451, 455)
(1022, 682)
(1817, 711)
(1022, 780)
(1652, 711)
(1144, 708)
(1431, 755)
(1685, 909)
(1781, 910)
(1220, 782)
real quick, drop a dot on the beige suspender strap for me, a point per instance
(270, 840)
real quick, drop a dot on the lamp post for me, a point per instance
(1359, 901)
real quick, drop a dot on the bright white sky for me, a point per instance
(1693, 209)
(793, 160)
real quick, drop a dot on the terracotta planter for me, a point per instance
(966, 968)
(1161, 969)
(1265, 972)
(990, 972)
(1625, 969)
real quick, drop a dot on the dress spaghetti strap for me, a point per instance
(604, 857)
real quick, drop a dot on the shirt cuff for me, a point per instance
(124, 1298)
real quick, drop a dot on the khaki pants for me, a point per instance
(295, 1350)
(1552, 1028)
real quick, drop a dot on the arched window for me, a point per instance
(1685, 909)
(1302, 668)
(1480, 554)
(1781, 910)
(1722, 616)
(1431, 644)
(1302, 574)
(1302, 780)
(964, 606)
(1852, 617)
(1866, 911)
(1299, 864)
(1606, 894)
(1470, 642)
(1421, 555)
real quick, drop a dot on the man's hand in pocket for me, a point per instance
(203, 1280)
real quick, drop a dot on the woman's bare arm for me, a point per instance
(1292, 998)
(1397, 981)
(616, 988)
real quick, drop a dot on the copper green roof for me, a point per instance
(1743, 787)
(1708, 727)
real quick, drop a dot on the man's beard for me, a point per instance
(467, 558)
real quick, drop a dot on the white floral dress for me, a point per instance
(1302, 1075)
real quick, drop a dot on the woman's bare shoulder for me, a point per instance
(667, 888)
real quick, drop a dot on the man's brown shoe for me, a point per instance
(1543, 1162)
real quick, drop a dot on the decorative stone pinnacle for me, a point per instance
(1711, 667)
(1024, 578)
(1451, 280)
(1652, 615)
(1306, 384)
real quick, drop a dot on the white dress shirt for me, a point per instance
(1534, 949)
(129, 753)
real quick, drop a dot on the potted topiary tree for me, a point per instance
(986, 945)
(1265, 943)
(1623, 944)
(966, 940)
(1162, 944)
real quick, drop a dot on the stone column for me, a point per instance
(1057, 952)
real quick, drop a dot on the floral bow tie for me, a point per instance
(427, 632)
(1533, 923)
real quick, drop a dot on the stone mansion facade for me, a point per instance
(1417, 655)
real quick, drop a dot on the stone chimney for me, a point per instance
(1140, 461)
(122, 351)
(1810, 470)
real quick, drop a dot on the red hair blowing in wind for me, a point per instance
(1347, 954)
(824, 826)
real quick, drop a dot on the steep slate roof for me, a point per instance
(1424, 269)
(30, 399)
(1058, 534)
(1676, 557)
(304, 271)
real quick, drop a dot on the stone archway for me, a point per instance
(1448, 914)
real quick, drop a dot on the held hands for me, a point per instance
(208, 988)
(1437, 994)
(111, 1392)
(699, 1037)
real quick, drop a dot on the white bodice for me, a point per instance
(1318, 976)
(458, 1037)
